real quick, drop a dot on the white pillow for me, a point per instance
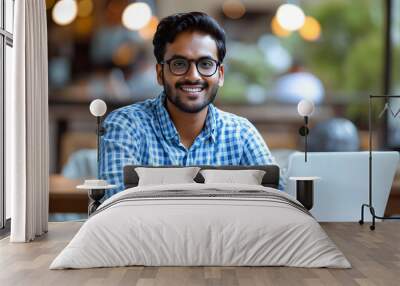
(166, 176)
(249, 177)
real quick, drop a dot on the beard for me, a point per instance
(176, 99)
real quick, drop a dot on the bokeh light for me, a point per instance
(83, 27)
(311, 30)
(85, 8)
(290, 17)
(277, 29)
(136, 16)
(276, 55)
(148, 31)
(124, 55)
(233, 9)
(64, 12)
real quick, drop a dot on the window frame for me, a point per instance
(6, 39)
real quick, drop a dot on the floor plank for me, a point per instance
(374, 255)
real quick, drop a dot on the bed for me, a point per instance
(201, 224)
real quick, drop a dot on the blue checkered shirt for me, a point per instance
(143, 134)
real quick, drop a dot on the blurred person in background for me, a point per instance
(297, 84)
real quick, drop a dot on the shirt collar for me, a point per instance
(168, 128)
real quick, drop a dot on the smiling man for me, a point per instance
(181, 126)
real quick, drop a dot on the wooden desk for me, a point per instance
(64, 197)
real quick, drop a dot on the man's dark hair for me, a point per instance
(169, 27)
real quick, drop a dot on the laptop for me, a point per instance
(343, 185)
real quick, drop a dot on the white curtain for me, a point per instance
(27, 141)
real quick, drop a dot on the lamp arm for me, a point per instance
(99, 132)
(305, 137)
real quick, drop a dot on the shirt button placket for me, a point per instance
(185, 157)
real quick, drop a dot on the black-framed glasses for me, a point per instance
(180, 66)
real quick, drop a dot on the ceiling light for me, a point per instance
(64, 12)
(136, 16)
(290, 17)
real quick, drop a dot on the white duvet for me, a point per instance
(183, 230)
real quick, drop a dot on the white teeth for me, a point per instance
(188, 89)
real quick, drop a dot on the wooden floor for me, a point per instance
(374, 255)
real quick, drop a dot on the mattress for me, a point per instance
(201, 225)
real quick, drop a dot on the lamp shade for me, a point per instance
(98, 107)
(305, 107)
